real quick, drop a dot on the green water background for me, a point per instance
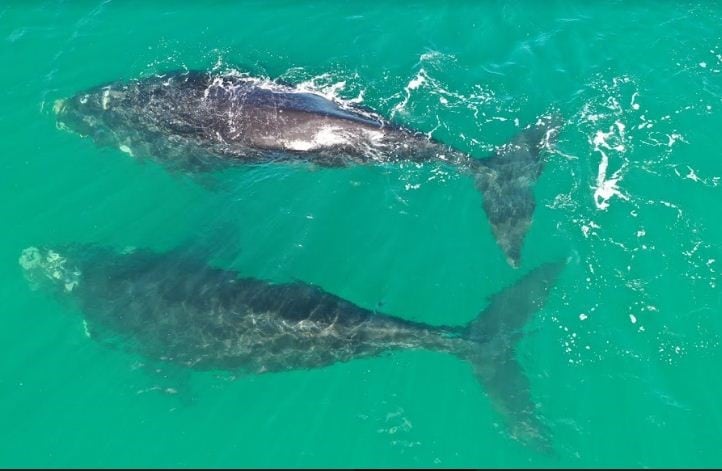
(624, 359)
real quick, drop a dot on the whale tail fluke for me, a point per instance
(506, 181)
(493, 337)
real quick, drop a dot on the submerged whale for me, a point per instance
(197, 121)
(172, 307)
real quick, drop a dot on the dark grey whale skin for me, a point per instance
(172, 307)
(197, 122)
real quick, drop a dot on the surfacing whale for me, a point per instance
(172, 307)
(198, 121)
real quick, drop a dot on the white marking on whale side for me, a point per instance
(327, 136)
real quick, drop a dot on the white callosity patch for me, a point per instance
(58, 106)
(50, 265)
(105, 101)
(127, 149)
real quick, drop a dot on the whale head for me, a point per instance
(49, 269)
(97, 113)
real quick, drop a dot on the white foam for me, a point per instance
(586, 229)
(633, 318)
(635, 106)
(417, 81)
(329, 91)
(85, 328)
(692, 175)
(607, 187)
(358, 99)
(414, 84)
(322, 85)
(674, 137)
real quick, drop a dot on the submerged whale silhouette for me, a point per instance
(173, 307)
(197, 121)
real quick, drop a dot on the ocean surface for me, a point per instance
(624, 358)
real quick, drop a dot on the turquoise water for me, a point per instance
(623, 358)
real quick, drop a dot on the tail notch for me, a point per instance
(506, 181)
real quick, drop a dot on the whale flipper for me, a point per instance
(494, 335)
(506, 182)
